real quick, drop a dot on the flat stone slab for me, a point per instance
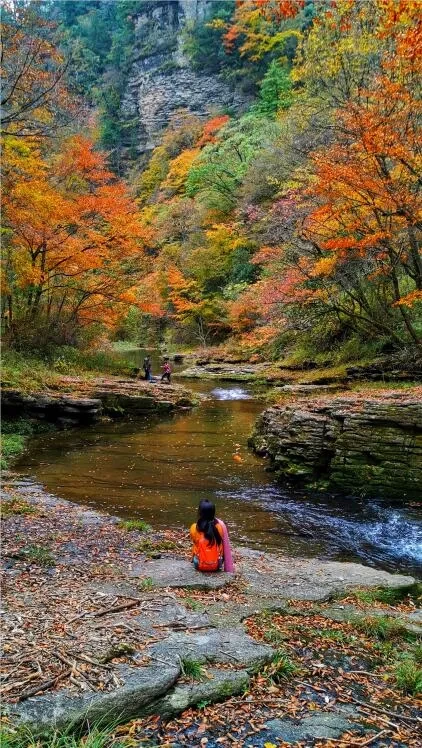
(309, 579)
(217, 685)
(141, 687)
(176, 572)
(225, 646)
(319, 725)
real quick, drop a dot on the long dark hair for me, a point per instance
(207, 523)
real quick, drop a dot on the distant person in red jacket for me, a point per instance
(166, 375)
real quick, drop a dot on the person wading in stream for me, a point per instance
(211, 546)
(166, 371)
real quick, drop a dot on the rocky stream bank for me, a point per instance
(107, 620)
(365, 443)
(75, 400)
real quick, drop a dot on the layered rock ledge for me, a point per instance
(78, 401)
(362, 443)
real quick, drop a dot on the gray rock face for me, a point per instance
(370, 445)
(309, 579)
(319, 725)
(161, 80)
(141, 687)
(149, 689)
(228, 646)
(179, 574)
(218, 685)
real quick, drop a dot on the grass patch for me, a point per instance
(388, 595)
(27, 372)
(36, 554)
(146, 584)
(408, 677)
(135, 524)
(194, 605)
(12, 445)
(14, 435)
(24, 738)
(192, 669)
(281, 668)
(274, 636)
(380, 627)
(416, 652)
(16, 506)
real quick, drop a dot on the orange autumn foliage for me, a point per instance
(211, 128)
(74, 238)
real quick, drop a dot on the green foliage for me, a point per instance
(275, 90)
(99, 38)
(192, 669)
(37, 554)
(16, 506)
(135, 524)
(408, 677)
(203, 41)
(281, 668)
(217, 174)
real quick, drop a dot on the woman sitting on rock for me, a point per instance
(211, 546)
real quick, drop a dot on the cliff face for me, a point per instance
(370, 446)
(161, 80)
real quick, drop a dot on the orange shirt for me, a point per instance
(196, 535)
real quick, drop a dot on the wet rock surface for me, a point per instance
(361, 443)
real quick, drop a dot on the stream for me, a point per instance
(159, 469)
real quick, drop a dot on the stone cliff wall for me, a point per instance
(364, 445)
(161, 80)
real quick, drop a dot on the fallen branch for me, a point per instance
(374, 737)
(44, 686)
(118, 608)
(371, 707)
(11, 686)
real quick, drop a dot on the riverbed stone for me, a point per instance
(318, 725)
(309, 579)
(230, 646)
(141, 687)
(215, 686)
(177, 572)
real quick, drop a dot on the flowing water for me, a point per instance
(159, 469)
